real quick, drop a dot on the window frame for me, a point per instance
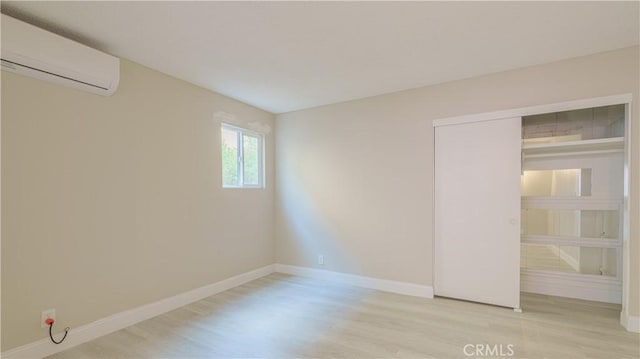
(240, 133)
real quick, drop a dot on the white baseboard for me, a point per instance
(630, 323)
(385, 285)
(104, 326)
(572, 286)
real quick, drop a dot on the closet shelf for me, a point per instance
(583, 147)
(575, 241)
(571, 203)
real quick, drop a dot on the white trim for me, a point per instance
(630, 323)
(536, 110)
(384, 285)
(570, 285)
(629, 193)
(104, 326)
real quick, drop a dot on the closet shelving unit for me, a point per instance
(572, 280)
(573, 148)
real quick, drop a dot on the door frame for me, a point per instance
(618, 99)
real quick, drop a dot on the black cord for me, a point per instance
(66, 331)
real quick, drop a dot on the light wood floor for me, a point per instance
(281, 316)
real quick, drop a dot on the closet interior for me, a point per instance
(572, 185)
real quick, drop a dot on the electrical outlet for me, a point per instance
(320, 259)
(49, 313)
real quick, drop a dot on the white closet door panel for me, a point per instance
(477, 211)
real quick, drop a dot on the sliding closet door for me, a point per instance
(477, 211)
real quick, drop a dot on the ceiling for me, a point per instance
(286, 56)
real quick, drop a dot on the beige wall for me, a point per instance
(109, 203)
(354, 180)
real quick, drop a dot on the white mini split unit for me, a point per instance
(31, 51)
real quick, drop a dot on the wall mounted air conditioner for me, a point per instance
(31, 51)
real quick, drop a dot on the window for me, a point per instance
(242, 158)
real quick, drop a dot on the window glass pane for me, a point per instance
(571, 259)
(230, 168)
(550, 183)
(251, 160)
(575, 223)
